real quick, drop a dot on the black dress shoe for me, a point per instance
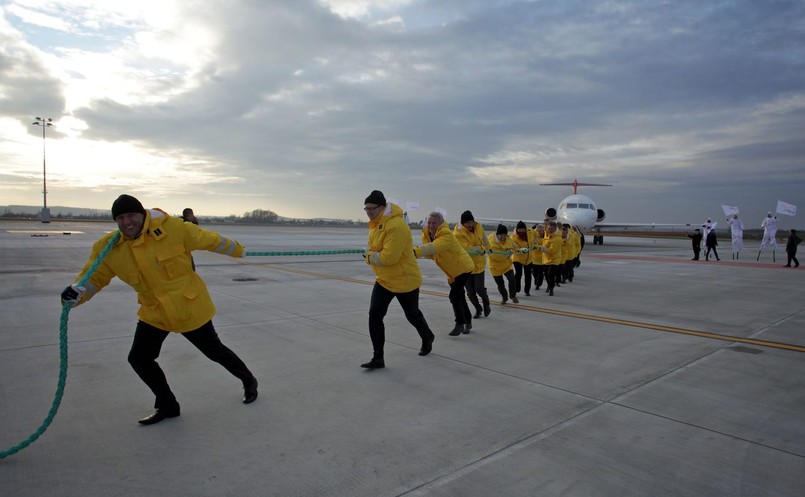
(160, 414)
(467, 328)
(459, 329)
(477, 313)
(487, 310)
(427, 346)
(374, 364)
(250, 391)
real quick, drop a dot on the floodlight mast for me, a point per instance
(44, 122)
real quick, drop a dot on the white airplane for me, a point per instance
(580, 211)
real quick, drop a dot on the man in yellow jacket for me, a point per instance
(471, 237)
(538, 268)
(551, 255)
(523, 238)
(574, 241)
(439, 244)
(152, 255)
(501, 249)
(391, 255)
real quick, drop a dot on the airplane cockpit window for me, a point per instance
(572, 206)
(584, 206)
(563, 206)
(592, 207)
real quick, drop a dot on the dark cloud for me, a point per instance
(677, 103)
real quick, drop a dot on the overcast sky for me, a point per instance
(305, 106)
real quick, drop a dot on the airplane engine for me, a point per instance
(601, 215)
(550, 213)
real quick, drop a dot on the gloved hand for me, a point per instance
(72, 293)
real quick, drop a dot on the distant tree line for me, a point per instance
(257, 216)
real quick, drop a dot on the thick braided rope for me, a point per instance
(62, 357)
(305, 252)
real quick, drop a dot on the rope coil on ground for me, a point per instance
(62, 358)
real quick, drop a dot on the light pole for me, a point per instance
(40, 121)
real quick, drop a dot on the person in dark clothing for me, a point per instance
(712, 243)
(696, 241)
(791, 248)
(189, 217)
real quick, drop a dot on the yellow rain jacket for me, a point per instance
(575, 239)
(567, 247)
(391, 252)
(535, 256)
(473, 240)
(156, 264)
(500, 263)
(446, 252)
(554, 245)
(521, 257)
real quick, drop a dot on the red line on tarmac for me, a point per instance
(722, 262)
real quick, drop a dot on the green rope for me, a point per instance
(307, 252)
(65, 311)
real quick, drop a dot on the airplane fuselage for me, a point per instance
(578, 210)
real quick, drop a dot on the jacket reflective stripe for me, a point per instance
(226, 247)
(428, 249)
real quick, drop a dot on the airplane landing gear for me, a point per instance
(598, 239)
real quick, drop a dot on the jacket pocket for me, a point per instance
(174, 260)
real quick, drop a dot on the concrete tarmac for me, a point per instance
(648, 375)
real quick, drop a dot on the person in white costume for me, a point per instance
(737, 228)
(769, 226)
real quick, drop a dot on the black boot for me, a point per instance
(427, 346)
(459, 329)
(374, 364)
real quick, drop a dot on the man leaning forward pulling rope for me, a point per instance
(153, 257)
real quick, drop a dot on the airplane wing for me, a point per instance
(598, 226)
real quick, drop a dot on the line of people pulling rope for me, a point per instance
(152, 254)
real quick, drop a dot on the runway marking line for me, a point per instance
(723, 262)
(589, 317)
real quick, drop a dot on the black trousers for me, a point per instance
(539, 275)
(519, 269)
(792, 256)
(509, 275)
(551, 275)
(707, 253)
(476, 287)
(696, 251)
(379, 306)
(569, 270)
(458, 299)
(148, 343)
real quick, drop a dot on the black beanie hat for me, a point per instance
(466, 217)
(520, 225)
(125, 204)
(376, 197)
(502, 230)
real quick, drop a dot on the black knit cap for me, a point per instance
(502, 230)
(376, 197)
(125, 204)
(466, 217)
(520, 225)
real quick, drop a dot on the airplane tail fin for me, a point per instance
(575, 184)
